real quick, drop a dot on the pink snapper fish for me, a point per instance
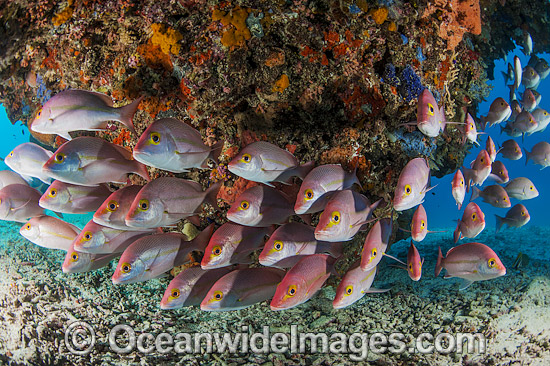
(264, 162)
(81, 110)
(471, 262)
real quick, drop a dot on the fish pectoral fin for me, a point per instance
(15, 209)
(376, 291)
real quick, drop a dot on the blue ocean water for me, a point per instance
(440, 204)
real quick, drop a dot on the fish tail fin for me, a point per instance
(482, 123)
(439, 264)
(216, 150)
(354, 178)
(527, 155)
(127, 114)
(302, 170)
(456, 234)
(201, 241)
(475, 193)
(306, 218)
(499, 223)
(211, 195)
(141, 170)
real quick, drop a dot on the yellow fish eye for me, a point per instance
(492, 263)
(87, 236)
(143, 205)
(39, 113)
(522, 213)
(244, 205)
(125, 267)
(335, 217)
(408, 189)
(218, 295)
(175, 293)
(216, 250)
(461, 182)
(430, 109)
(246, 158)
(74, 256)
(308, 194)
(291, 290)
(28, 227)
(52, 193)
(154, 138)
(474, 217)
(349, 290)
(374, 252)
(422, 224)
(500, 172)
(10, 155)
(278, 245)
(410, 267)
(112, 206)
(59, 158)
(531, 188)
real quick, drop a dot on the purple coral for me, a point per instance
(410, 84)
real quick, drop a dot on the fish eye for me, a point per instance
(28, 227)
(408, 189)
(422, 224)
(531, 188)
(125, 267)
(87, 236)
(502, 104)
(492, 263)
(522, 213)
(143, 205)
(246, 158)
(244, 205)
(474, 216)
(500, 172)
(430, 109)
(481, 160)
(10, 155)
(217, 250)
(218, 295)
(74, 256)
(154, 138)
(308, 194)
(349, 290)
(291, 290)
(112, 206)
(374, 252)
(410, 267)
(39, 113)
(335, 217)
(175, 293)
(504, 199)
(461, 182)
(278, 245)
(52, 192)
(59, 158)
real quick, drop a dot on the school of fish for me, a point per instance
(134, 224)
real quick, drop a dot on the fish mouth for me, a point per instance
(276, 307)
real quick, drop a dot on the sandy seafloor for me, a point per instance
(38, 302)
